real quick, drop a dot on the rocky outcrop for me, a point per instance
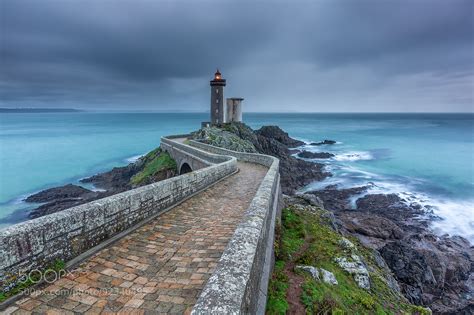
(315, 155)
(323, 142)
(318, 274)
(222, 138)
(357, 268)
(337, 199)
(325, 271)
(61, 204)
(68, 191)
(60, 198)
(328, 277)
(295, 173)
(431, 270)
(312, 271)
(117, 180)
(275, 132)
(372, 230)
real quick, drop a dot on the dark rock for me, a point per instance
(337, 199)
(295, 173)
(56, 206)
(117, 179)
(375, 229)
(68, 191)
(275, 132)
(114, 181)
(432, 271)
(309, 199)
(387, 275)
(390, 205)
(323, 142)
(315, 155)
(410, 268)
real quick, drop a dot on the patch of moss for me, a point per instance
(309, 227)
(294, 234)
(57, 266)
(277, 303)
(154, 162)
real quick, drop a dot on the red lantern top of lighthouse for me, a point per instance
(218, 80)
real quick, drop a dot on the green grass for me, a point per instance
(322, 246)
(155, 161)
(57, 265)
(277, 303)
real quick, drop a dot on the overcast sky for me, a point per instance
(318, 56)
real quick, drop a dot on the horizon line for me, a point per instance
(79, 110)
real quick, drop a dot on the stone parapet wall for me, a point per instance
(64, 235)
(198, 157)
(239, 284)
(262, 159)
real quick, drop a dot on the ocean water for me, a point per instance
(426, 158)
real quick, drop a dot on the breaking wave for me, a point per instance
(353, 156)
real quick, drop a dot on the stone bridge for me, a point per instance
(199, 243)
(185, 161)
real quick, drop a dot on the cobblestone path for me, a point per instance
(162, 266)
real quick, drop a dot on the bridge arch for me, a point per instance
(185, 168)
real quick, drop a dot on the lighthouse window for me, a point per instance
(217, 91)
(217, 100)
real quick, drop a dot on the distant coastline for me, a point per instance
(39, 110)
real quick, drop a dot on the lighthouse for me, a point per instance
(217, 99)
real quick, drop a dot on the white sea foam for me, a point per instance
(90, 186)
(456, 217)
(353, 156)
(133, 159)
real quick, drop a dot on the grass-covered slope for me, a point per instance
(157, 165)
(307, 237)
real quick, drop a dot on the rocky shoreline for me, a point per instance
(431, 270)
(112, 182)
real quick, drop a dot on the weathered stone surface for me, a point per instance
(346, 243)
(328, 277)
(235, 287)
(318, 274)
(66, 234)
(313, 271)
(170, 258)
(357, 268)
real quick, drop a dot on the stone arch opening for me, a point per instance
(185, 168)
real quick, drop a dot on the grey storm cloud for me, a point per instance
(281, 56)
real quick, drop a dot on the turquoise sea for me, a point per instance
(427, 158)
